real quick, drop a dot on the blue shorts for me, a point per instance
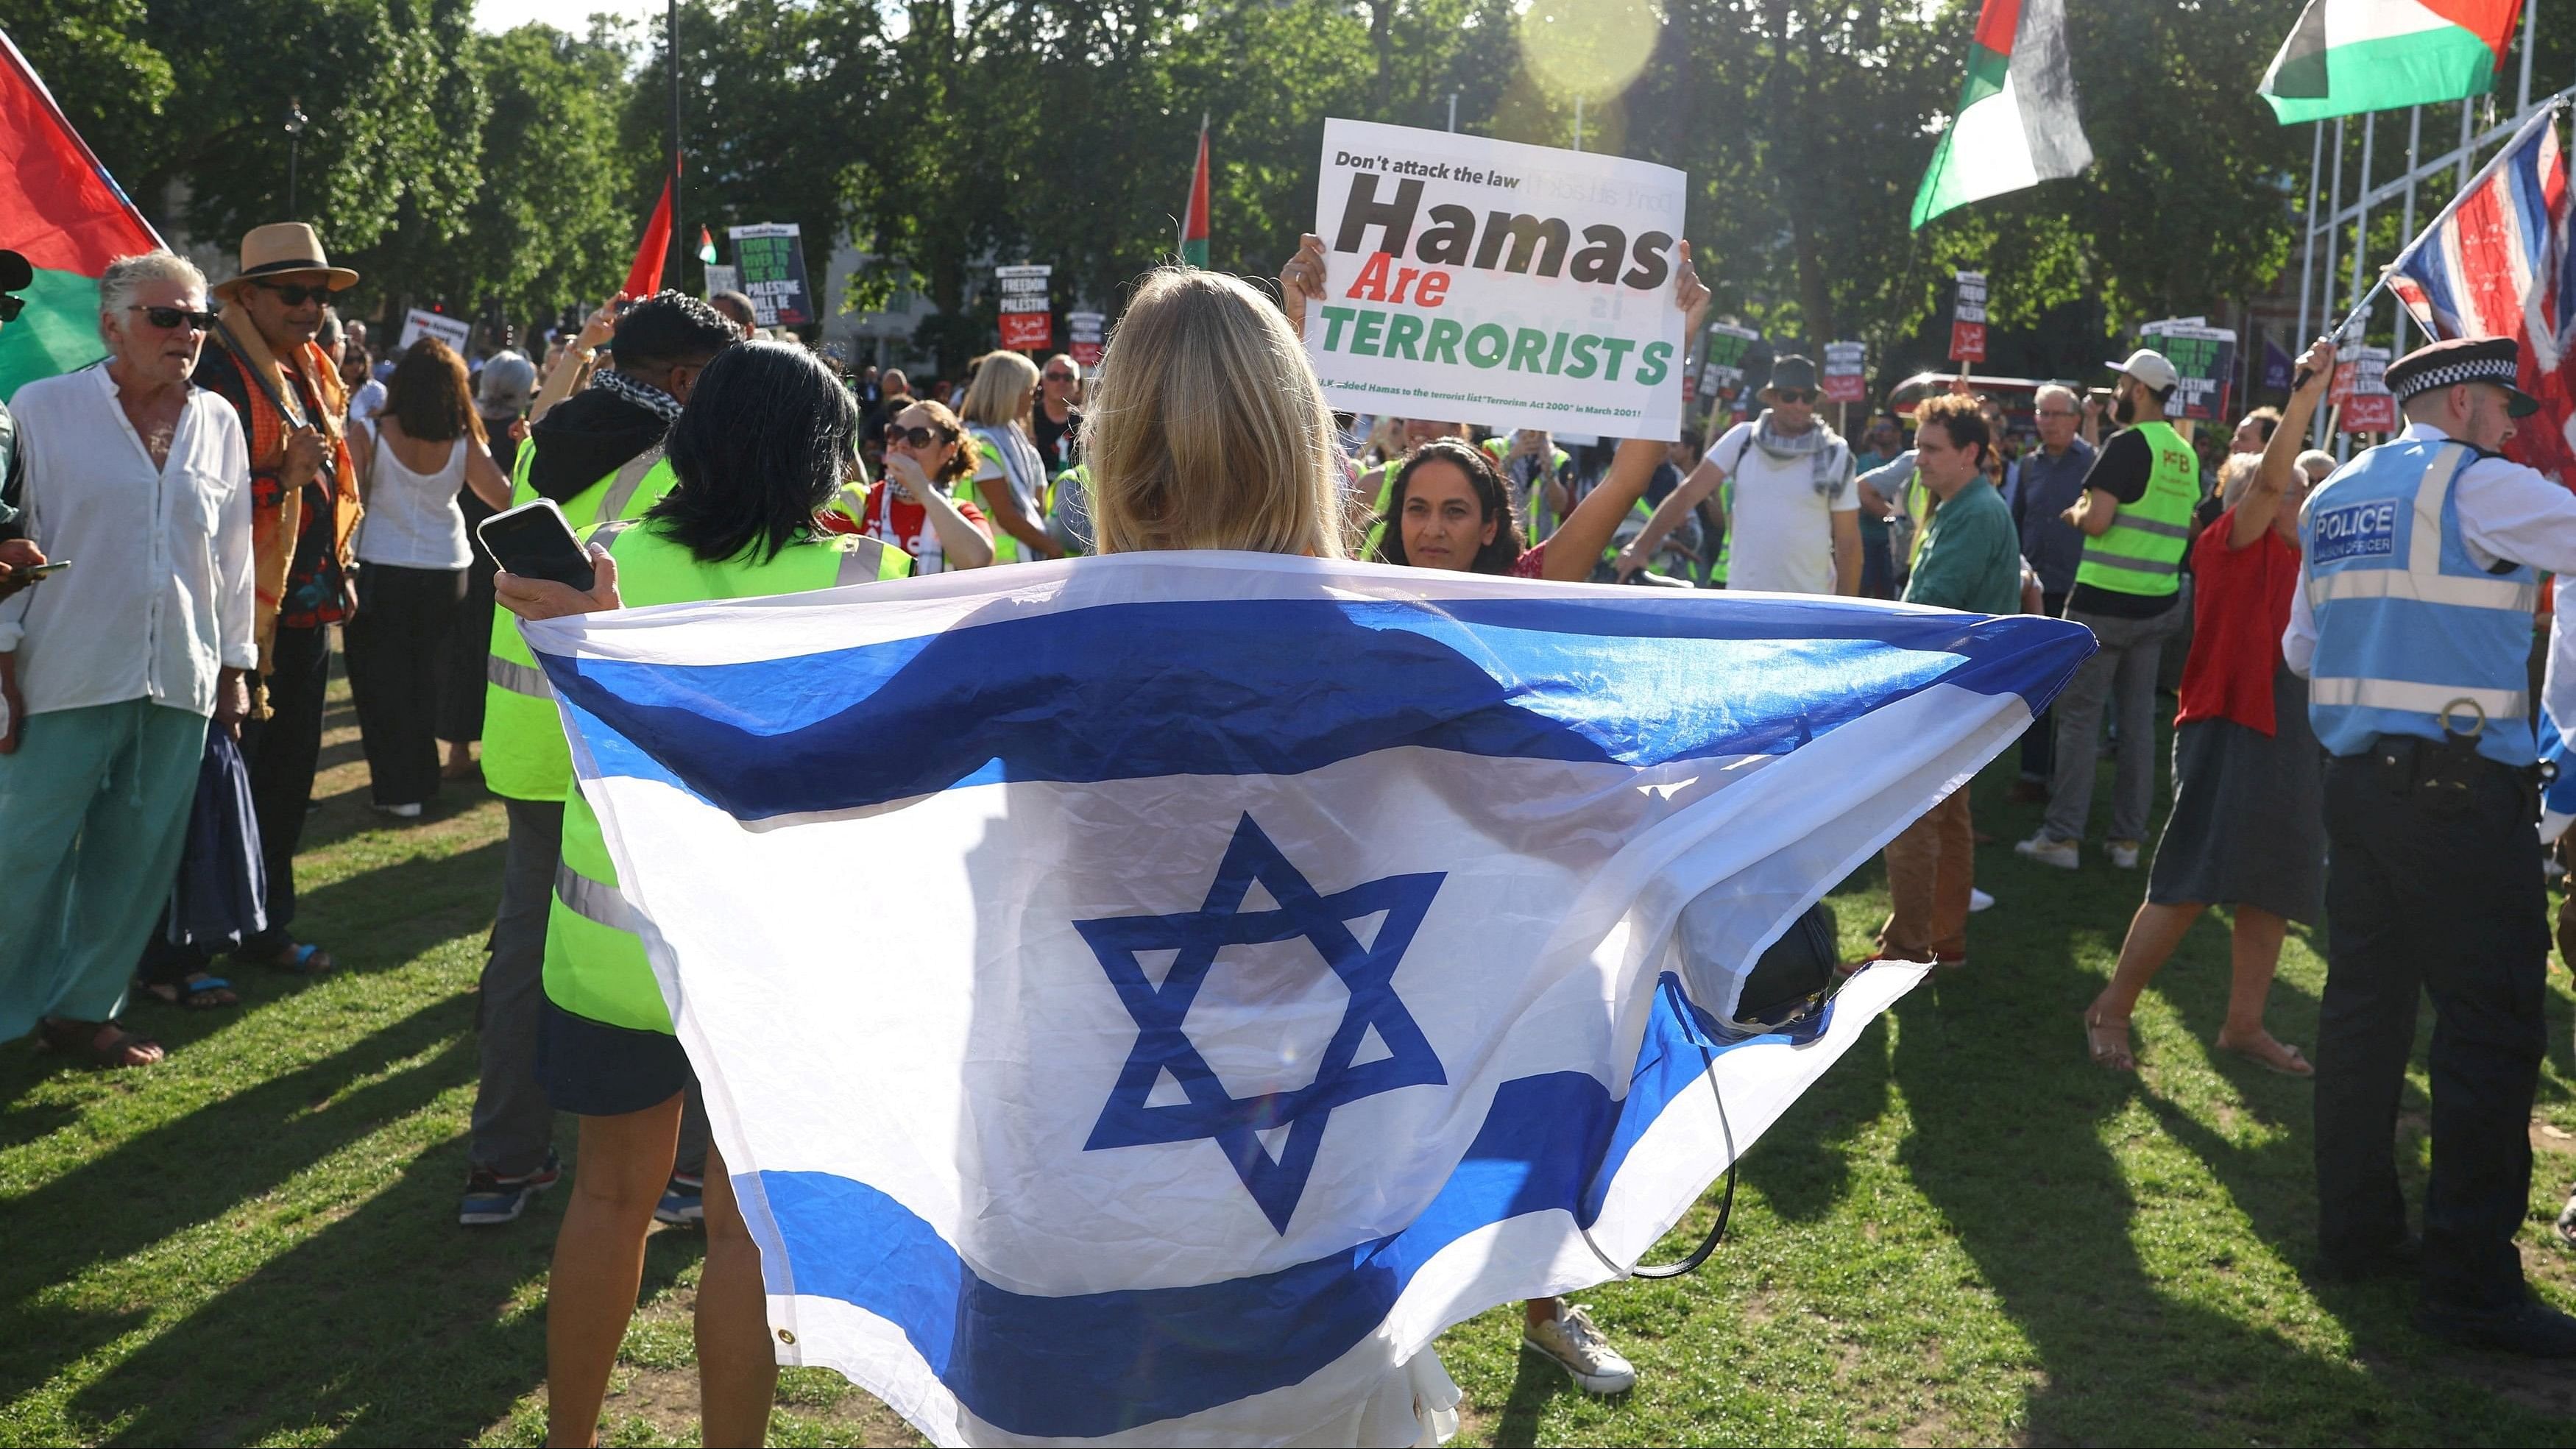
(592, 1069)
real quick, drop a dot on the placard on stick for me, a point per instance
(771, 258)
(418, 324)
(1846, 375)
(1721, 367)
(1085, 330)
(1968, 319)
(1027, 324)
(2204, 358)
(1473, 280)
(2359, 392)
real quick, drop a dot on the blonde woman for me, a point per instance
(1010, 477)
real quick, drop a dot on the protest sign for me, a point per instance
(1473, 280)
(2277, 367)
(1968, 319)
(1846, 375)
(771, 259)
(2362, 401)
(1026, 323)
(723, 279)
(2204, 359)
(1085, 328)
(1721, 367)
(418, 324)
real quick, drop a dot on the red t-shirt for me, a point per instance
(2240, 605)
(906, 525)
(1532, 562)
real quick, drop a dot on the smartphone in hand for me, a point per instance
(535, 541)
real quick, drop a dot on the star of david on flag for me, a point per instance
(1163, 1048)
(1281, 961)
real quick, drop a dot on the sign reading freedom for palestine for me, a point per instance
(1478, 281)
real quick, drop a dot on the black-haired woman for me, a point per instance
(767, 439)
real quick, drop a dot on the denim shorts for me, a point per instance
(592, 1069)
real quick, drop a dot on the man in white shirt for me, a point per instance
(1795, 521)
(110, 669)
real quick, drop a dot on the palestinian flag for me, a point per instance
(61, 210)
(2349, 56)
(706, 247)
(2016, 125)
(1194, 226)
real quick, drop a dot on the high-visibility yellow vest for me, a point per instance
(595, 962)
(1376, 534)
(2141, 552)
(1006, 545)
(1726, 540)
(1542, 520)
(524, 754)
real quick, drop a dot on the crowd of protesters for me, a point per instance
(244, 473)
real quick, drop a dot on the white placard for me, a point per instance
(723, 279)
(1472, 280)
(418, 324)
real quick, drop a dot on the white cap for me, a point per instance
(2150, 367)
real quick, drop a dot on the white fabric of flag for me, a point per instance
(1149, 998)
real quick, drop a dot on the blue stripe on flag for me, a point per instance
(1084, 1365)
(1281, 687)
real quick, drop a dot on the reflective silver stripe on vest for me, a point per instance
(606, 534)
(2434, 588)
(2412, 698)
(593, 901)
(621, 488)
(861, 565)
(2131, 561)
(2155, 526)
(517, 678)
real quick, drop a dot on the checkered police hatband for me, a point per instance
(2483, 369)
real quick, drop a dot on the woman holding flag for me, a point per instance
(765, 442)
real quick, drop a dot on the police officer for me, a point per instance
(2413, 623)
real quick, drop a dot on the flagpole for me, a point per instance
(2406, 228)
(2308, 228)
(679, 233)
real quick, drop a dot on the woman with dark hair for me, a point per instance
(767, 439)
(1451, 508)
(427, 447)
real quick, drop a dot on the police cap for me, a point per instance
(2496, 360)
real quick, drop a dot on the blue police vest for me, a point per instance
(2410, 629)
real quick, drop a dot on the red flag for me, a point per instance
(644, 278)
(63, 212)
(1194, 228)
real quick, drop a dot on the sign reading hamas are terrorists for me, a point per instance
(1471, 280)
(1846, 377)
(2204, 358)
(1027, 325)
(1968, 319)
(771, 258)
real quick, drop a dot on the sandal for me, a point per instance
(2287, 1062)
(200, 992)
(80, 1039)
(303, 959)
(2099, 1044)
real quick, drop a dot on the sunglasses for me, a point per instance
(917, 437)
(171, 319)
(1795, 394)
(1059, 377)
(296, 294)
(10, 307)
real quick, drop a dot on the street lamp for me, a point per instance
(295, 121)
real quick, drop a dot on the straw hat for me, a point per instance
(283, 248)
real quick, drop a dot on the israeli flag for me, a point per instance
(1149, 998)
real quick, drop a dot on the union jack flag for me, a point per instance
(2502, 264)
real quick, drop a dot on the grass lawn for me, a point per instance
(1966, 1234)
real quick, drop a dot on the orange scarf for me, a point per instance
(274, 530)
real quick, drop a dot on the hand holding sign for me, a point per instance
(1301, 280)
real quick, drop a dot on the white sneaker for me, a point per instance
(2124, 853)
(402, 812)
(1979, 901)
(1572, 1339)
(2049, 851)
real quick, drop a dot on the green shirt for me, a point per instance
(1971, 556)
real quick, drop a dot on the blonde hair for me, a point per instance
(1002, 393)
(2236, 475)
(1207, 428)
